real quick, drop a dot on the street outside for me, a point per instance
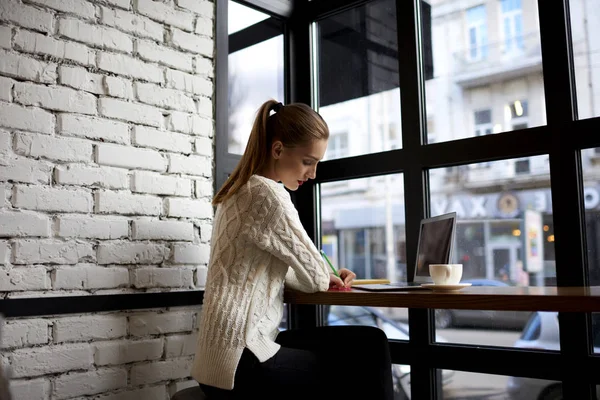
(468, 385)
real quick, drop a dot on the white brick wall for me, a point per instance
(34, 389)
(106, 157)
(78, 329)
(22, 333)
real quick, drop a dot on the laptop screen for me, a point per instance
(435, 242)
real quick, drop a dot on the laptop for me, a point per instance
(435, 246)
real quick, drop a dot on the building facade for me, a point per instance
(487, 79)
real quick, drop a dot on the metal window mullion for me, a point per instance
(567, 189)
(254, 34)
(221, 95)
(298, 71)
(425, 382)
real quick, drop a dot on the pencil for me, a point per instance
(329, 262)
(369, 281)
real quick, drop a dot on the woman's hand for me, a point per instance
(346, 276)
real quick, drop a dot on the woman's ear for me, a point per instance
(276, 149)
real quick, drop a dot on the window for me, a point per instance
(477, 32)
(517, 114)
(358, 77)
(240, 17)
(485, 77)
(462, 91)
(512, 20)
(364, 225)
(337, 146)
(504, 237)
(255, 76)
(585, 35)
(430, 130)
(254, 73)
(469, 385)
(483, 122)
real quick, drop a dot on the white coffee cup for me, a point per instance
(445, 274)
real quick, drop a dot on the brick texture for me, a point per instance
(106, 154)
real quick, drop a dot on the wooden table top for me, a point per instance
(565, 299)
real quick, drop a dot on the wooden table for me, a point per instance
(564, 299)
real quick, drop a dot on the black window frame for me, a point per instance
(574, 365)
(554, 139)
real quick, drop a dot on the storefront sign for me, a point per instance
(534, 246)
(504, 205)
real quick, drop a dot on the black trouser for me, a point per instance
(335, 362)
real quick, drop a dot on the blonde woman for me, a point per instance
(258, 245)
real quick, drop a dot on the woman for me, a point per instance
(258, 245)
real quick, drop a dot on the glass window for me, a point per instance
(255, 76)
(503, 238)
(512, 17)
(384, 319)
(590, 159)
(358, 83)
(485, 58)
(483, 122)
(477, 32)
(362, 222)
(240, 17)
(337, 146)
(585, 36)
(469, 385)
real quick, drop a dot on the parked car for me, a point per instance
(541, 332)
(482, 318)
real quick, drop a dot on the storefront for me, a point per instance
(506, 236)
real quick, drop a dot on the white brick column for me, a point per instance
(106, 167)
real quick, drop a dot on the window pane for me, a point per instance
(255, 76)
(358, 78)
(485, 57)
(469, 385)
(504, 237)
(240, 17)
(585, 36)
(363, 226)
(590, 159)
(382, 318)
(596, 332)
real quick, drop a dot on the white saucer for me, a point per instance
(445, 288)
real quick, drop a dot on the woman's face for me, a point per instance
(295, 165)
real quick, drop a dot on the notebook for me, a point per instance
(435, 246)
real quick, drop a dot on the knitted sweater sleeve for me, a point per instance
(274, 226)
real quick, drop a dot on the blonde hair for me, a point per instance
(294, 125)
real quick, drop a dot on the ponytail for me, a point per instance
(294, 125)
(254, 157)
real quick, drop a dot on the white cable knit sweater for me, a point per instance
(257, 244)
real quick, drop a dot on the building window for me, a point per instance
(390, 138)
(518, 114)
(337, 146)
(394, 138)
(512, 20)
(431, 137)
(483, 122)
(477, 33)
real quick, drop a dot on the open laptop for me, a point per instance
(435, 246)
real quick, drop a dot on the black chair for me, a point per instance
(192, 393)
